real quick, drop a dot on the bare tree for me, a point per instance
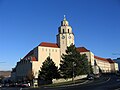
(30, 76)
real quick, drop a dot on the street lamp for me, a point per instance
(35, 80)
(73, 64)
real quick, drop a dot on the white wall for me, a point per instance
(90, 57)
(116, 67)
(104, 65)
(69, 79)
(44, 52)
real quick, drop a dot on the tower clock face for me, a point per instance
(69, 37)
(63, 37)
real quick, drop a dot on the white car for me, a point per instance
(0, 86)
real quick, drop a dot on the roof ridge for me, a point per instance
(101, 58)
(82, 49)
(48, 44)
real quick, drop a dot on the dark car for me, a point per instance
(90, 77)
(23, 85)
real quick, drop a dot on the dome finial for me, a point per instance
(64, 22)
(64, 17)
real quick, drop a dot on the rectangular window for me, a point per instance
(52, 50)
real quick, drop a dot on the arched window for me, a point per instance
(68, 30)
(63, 31)
(59, 31)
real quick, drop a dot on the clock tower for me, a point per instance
(65, 36)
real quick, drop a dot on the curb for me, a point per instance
(70, 85)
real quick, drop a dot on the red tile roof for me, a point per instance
(33, 59)
(110, 60)
(46, 44)
(104, 59)
(29, 54)
(82, 49)
(30, 58)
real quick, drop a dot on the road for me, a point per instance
(111, 82)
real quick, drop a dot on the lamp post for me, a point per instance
(73, 64)
(35, 80)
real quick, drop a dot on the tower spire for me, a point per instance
(64, 22)
(65, 36)
(64, 17)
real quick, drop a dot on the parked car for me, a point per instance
(6, 85)
(23, 85)
(0, 85)
(90, 77)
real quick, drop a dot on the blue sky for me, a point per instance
(26, 23)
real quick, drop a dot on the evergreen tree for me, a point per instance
(73, 61)
(48, 70)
